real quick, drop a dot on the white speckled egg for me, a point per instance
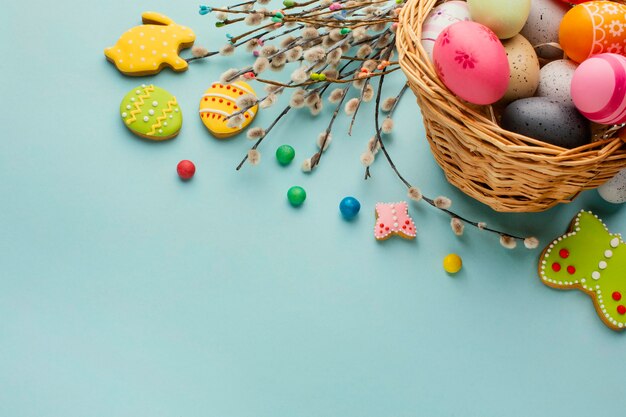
(440, 18)
(505, 18)
(614, 190)
(524, 67)
(542, 26)
(555, 80)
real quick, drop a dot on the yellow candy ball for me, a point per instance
(452, 263)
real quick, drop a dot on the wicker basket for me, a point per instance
(507, 171)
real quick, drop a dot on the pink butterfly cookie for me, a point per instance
(393, 219)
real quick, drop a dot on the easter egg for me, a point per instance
(547, 121)
(614, 190)
(505, 18)
(471, 62)
(296, 196)
(599, 88)
(524, 69)
(593, 28)
(452, 263)
(186, 169)
(151, 112)
(542, 27)
(349, 207)
(555, 79)
(219, 102)
(440, 18)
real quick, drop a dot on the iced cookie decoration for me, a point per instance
(146, 49)
(151, 112)
(219, 102)
(591, 259)
(393, 219)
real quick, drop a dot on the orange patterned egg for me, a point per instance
(219, 102)
(593, 28)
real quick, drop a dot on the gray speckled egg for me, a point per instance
(555, 80)
(546, 120)
(524, 69)
(542, 26)
(614, 190)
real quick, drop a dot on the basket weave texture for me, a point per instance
(506, 171)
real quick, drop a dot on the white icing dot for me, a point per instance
(395, 217)
(138, 92)
(164, 55)
(141, 33)
(176, 109)
(146, 118)
(124, 114)
(132, 66)
(128, 107)
(164, 43)
(614, 242)
(132, 99)
(160, 130)
(143, 86)
(155, 103)
(171, 117)
(130, 41)
(595, 275)
(153, 52)
(143, 59)
(608, 253)
(120, 61)
(583, 280)
(151, 112)
(602, 265)
(395, 225)
(162, 30)
(164, 123)
(142, 47)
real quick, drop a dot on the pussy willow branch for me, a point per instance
(408, 184)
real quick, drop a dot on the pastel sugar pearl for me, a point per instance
(296, 196)
(349, 207)
(452, 263)
(599, 88)
(472, 63)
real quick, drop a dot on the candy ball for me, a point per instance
(296, 196)
(599, 89)
(471, 62)
(186, 169)
(452, 263)
(285, 154)
(349, 207)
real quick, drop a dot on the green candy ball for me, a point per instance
(285, 154)
(296, 196)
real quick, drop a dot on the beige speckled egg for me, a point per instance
(524, 68)
(542, 26)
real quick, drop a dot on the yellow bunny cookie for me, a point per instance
(146, 49)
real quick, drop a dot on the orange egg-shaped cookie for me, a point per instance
(593, 28)
(219, 102)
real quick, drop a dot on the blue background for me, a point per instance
(127, 292)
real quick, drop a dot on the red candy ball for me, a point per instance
(185, 169)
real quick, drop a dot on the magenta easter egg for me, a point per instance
(472, 63)
(599, 88)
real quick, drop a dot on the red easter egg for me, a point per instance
(186, 169)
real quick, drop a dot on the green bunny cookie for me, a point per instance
(591, 259)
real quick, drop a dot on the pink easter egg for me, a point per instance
(471, 61)
(599, 88)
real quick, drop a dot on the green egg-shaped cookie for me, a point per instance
(151, 112)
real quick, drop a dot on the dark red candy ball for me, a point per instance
(185, 169)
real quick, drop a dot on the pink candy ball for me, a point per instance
(471, 61)
(599, 88)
